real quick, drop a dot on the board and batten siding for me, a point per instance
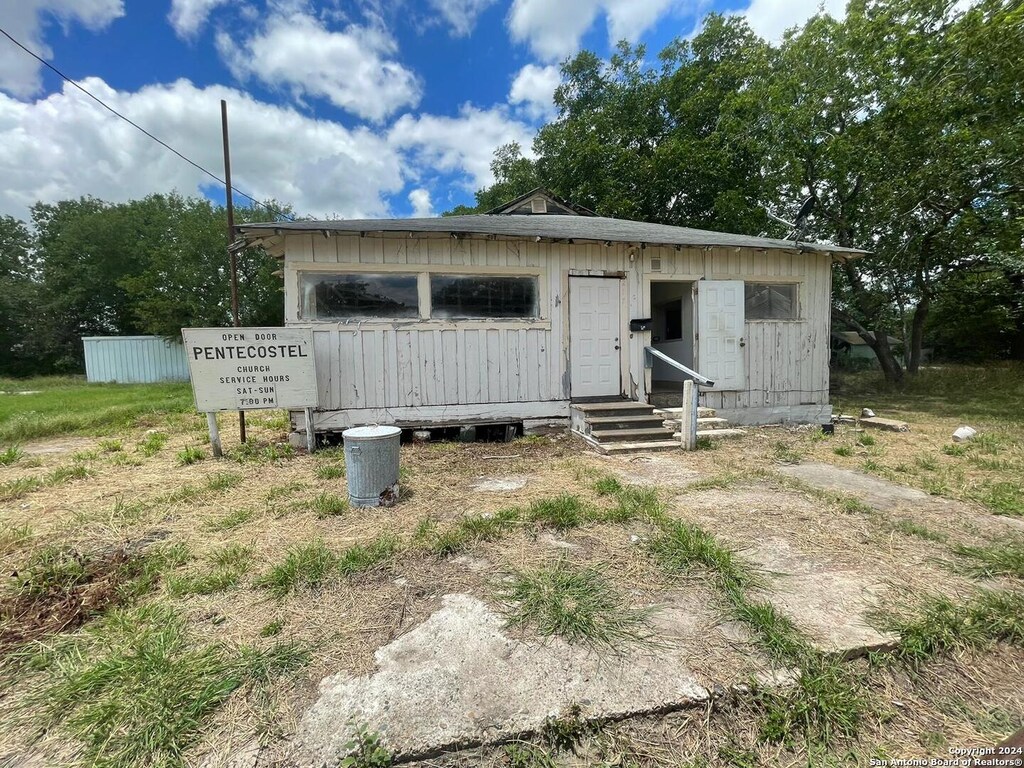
(134, 359)
(450, 370)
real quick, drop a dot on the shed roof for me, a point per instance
(552, 228)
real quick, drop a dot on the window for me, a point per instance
(359, 295)
(465, 296)
(771, 301)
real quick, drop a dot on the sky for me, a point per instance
(341, 108)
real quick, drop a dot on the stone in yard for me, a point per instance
(459, 679)
(963, 434)
(499, 484)
(867, 413)
(893, 425)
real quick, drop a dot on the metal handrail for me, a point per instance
(652, 352)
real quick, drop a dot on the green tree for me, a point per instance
(17, 298)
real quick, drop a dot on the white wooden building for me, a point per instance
(514, 315)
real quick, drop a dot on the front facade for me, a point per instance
(496, 319)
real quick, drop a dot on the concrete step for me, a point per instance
(675, 413)
(712, 423)
(618, 408)
(641, 447)
(624, 422)
(633, 435)
(715, 433)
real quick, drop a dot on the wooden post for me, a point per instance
(310, 432)
(211, 422)
(688, 420)
(232, 256)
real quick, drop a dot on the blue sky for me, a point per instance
(350, 108)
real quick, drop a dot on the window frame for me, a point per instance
(797, 300)
(296, 271)
(321, 273)
(469, 274)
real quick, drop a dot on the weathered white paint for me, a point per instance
(465, 370)
(594, 349)
(241, 369)
(720, 333)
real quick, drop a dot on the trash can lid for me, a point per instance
(370, 433)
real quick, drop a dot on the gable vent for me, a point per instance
(538, 205)
(656, 264)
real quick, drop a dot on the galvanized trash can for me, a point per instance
(371, 465)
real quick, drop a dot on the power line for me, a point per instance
(135, 125)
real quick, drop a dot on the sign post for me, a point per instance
(243, 369)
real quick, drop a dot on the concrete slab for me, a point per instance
(831, 605)
(499, 484)
(459, 680)
(879, 493)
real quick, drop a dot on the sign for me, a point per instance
(242, 369)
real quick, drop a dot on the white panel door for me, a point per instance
(720, 333)
(594, 327)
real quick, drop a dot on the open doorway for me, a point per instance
(672, 333)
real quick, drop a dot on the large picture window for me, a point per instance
(359, 295)
(483, 296)
(771, 301)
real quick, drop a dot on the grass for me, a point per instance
(942, 626)
(12, 454)
(13, 537)
(314, 565)
(634, 502)
(22, 486)
(562, 513)
(227, 566)
(330, 471)
(998, 560)
(135, 690)
(466, 532)
(577, 604)
(152, 443)
(329, 505)
(98, 408)
(256, 452)
(190, 455)
(682, 547)
(911, 528)
(231, 520)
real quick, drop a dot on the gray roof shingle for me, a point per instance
(597, 228)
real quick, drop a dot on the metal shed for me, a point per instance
(134, 359)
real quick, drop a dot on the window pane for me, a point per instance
(770, 301)
(461, 296)
(359, 296)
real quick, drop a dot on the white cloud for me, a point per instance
(65, 146)
(188, 16)
(25, 21)
(771, 18)
(422, 207)
(353, 68)
(463, 144)
(461, 15)
(553, 30)
(534, 88)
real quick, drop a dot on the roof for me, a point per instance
(562, 207)
(854, 338)
(551, 228)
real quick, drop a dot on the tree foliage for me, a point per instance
(903, 121)
(151, 266)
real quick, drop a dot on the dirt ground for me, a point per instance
(266, 500)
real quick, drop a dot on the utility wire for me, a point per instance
(135, 125)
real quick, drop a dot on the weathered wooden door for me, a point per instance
(720, 333)
(594, 328)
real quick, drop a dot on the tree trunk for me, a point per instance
(913, 351)
(1017, 340)
(879, 342)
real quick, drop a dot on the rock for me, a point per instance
(867, 413)
(963, 434)
(893, 425)
(421, 436)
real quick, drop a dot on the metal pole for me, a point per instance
(232, 256)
